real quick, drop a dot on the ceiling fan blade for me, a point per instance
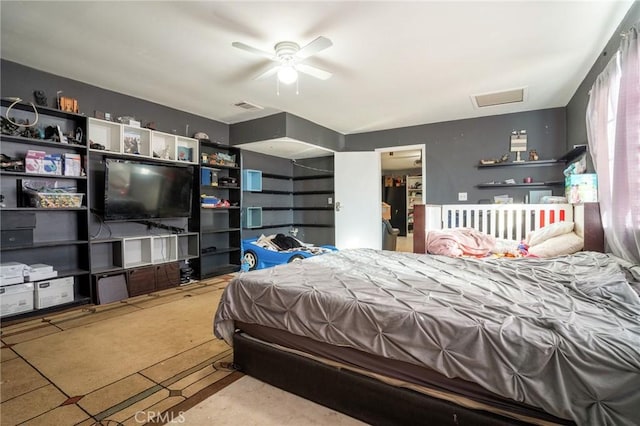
(268, 73)
(253, 50)
(313, 71)
(314, 47)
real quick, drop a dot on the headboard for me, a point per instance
(508, 221)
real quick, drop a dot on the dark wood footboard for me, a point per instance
(358, 396)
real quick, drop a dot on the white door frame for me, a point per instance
(422, 148)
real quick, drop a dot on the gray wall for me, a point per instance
(259, 129)
(293, 199)
(276, 166)
(285, 125)
(320, 166)
(577, 107)
(19, 80)
(307, 131)
(454, 149)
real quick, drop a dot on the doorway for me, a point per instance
(403, 172)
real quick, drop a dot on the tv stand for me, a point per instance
(150, 224)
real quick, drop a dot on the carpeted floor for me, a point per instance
(125, 362)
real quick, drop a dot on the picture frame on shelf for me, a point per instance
(131, 143)
(185, 153)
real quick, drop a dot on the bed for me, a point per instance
(399, 338)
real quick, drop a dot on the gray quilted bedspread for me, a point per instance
(561, 334)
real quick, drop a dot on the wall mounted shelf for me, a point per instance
(520, 185)
(538, 163)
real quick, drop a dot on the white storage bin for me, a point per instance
(16, 298)
(53, 292)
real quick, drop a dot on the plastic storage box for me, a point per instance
(53, 200)
(16, 298)
(53, 292)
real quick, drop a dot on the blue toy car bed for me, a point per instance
(257, 257)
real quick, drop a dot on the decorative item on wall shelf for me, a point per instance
(68, 104)
(40, 97)
(533, 155)
(518, 144)
(129, 121)
(502, 159)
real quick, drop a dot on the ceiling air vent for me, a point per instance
(499, 98)
(248, 106)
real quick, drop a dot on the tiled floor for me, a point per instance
(120, 362)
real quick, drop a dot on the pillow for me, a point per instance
(543, 234)
(557, 246)
(506, 247)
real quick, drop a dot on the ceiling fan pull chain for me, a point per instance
(297, 85)
(277, 87)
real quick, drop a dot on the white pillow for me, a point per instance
(558, 246)
(543, 234)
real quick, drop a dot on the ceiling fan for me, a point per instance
(288, 56)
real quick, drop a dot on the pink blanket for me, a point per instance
(459, 241)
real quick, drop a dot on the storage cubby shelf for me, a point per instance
(139, 142)
(40, 209)
(136, 157)
(220, 187)
(45, 244)
(65, 229)
(310, 177)
(43, 110)
(314, 208)
(276, 176)
(220, 251)
(71, 272)
(272, 192)
(276, 208)
(284, 225)
(43, 142)
(218, 227)
(221, 270)
(313, 193)
(220, 208)
(218, 230)
(219, 167)
(40, 175)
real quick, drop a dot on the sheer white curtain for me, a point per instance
(613, 130)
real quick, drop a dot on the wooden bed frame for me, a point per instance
(374, 401)
(356, 395)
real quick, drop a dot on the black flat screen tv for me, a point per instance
(137, 191)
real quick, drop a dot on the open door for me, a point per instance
(358, 212)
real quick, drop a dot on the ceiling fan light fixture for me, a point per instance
(287, 74)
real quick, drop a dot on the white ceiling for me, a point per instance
(395, 63)
(287, 148)
(400, 160)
